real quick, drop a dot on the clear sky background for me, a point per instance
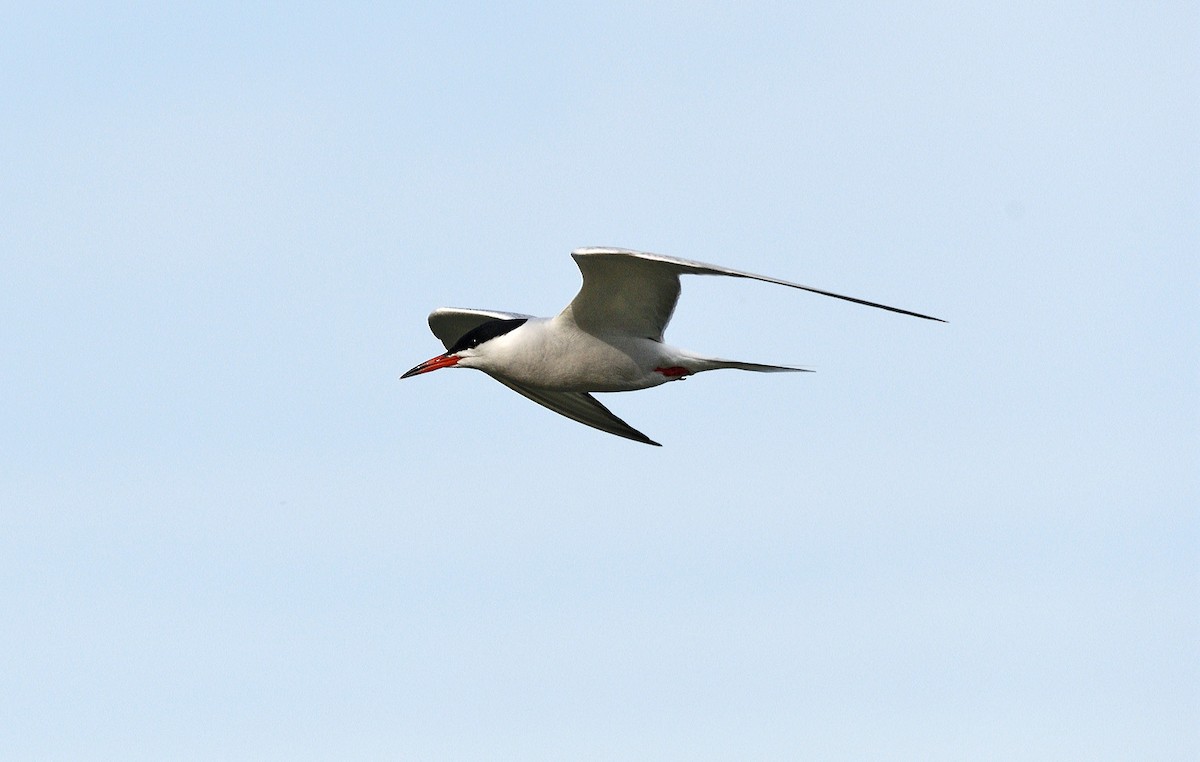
(230, 532)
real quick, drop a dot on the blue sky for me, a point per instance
(231, 532)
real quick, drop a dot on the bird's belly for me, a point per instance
(586, 364)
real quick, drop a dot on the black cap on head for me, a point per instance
(484, 332)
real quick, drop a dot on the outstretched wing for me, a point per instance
(450, 324)
(581, 407)
(624, 293)
(634, 293)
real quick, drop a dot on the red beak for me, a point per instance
(441, 361)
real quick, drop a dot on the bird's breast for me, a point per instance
(577, 361)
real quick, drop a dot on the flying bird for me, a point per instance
(608, 339)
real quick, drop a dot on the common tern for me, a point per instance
(608, 339)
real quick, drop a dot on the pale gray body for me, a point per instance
(608, 339)
(554, 354)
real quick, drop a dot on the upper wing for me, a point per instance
(634, 292)
(624, 292)
(450, 324)
(581, 407)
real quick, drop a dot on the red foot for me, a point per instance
(675, 371)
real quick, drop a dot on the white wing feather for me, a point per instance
(634, 293)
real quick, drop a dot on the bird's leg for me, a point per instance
(674, 372)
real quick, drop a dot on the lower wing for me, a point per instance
(581, 407)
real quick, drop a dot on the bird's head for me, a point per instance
(471, 349)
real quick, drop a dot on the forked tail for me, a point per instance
(715, 363)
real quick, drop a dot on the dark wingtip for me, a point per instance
(642, 438)
(909, 312)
